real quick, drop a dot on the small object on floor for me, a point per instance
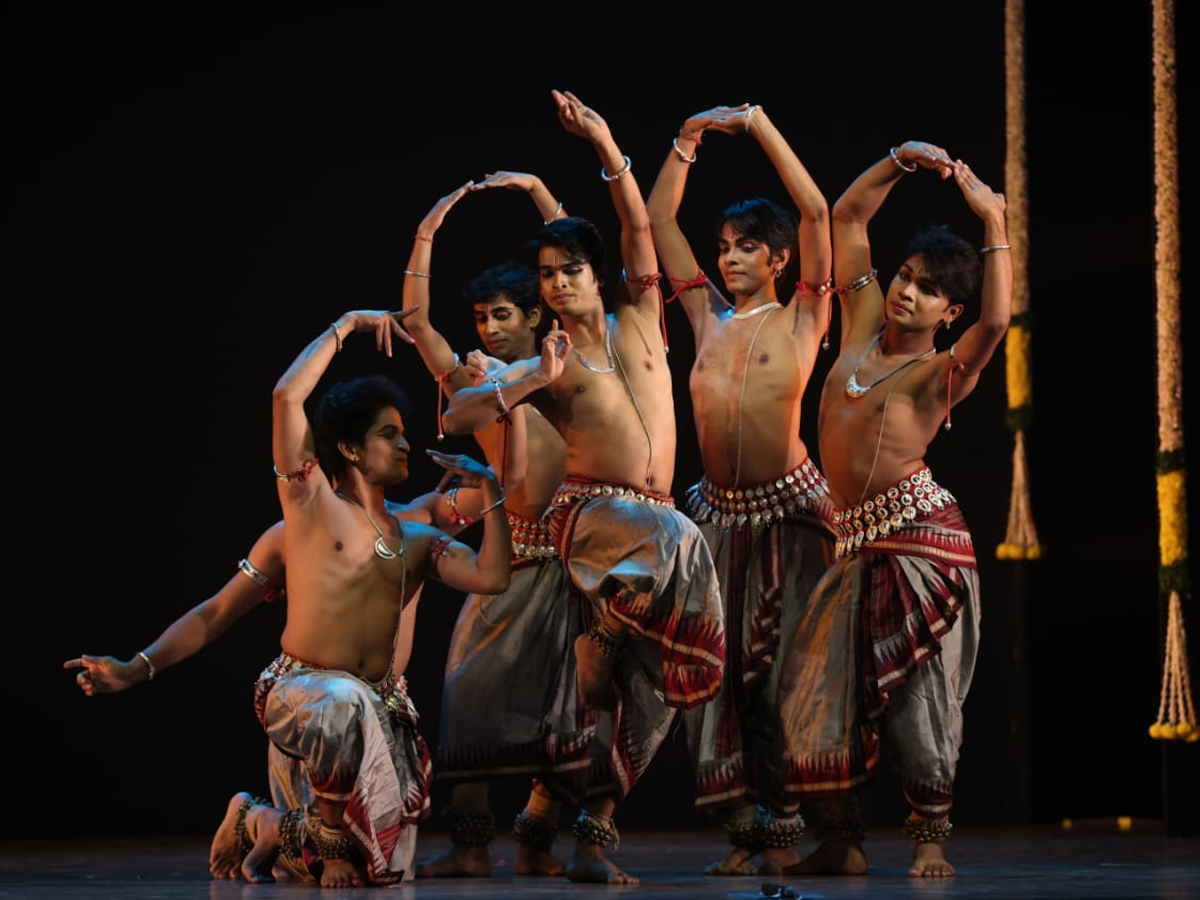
(770, 889)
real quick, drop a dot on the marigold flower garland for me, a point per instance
(1176, 711)
(1020, 537)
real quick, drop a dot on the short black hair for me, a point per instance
(346, 412)
(579, 238)
(517, 282)
(952, 264)
(765, 221)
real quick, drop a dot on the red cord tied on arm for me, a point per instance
(645, 282)
(807, 287)
(301, 474)
(441, 381)
(699, 281)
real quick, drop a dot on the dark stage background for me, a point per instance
(195, 194)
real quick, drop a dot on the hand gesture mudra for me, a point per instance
(437, 214)
(105, 674)
(555, 347)
(385, 324)
(578, 118)
(727, 119)
(480, 367)
(517, 181)
(461, 470)
(927, 156)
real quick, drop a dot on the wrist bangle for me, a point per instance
(421, 237)
(487, 509)
(991, 247)
(907, 167)
(553, 215)
(683, 156)
(149, 665)
(625, 168)
(416, 273)
(337, 335)
(750, 116)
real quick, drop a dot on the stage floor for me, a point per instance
(1096, 863)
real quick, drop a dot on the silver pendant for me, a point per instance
(382, 550)
(853, 388)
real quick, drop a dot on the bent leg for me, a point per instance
(596, 655)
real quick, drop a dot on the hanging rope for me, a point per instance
(1020, 536)
(1176, 711)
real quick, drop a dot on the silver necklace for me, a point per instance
(759, 310)
(608, 349)
(382, 550)
(737, 469)
(854, 390)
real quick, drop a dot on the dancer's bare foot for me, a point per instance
(594, 670)
(259, 865)
(836, 857)
(474, 861)
(739, 862)
(339, 873)
(929, 861)
(532, 861)
(589, 864)
(777, 860)
(231, 843)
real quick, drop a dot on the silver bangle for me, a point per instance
(416, 273)
(337, 336)
(750, 116)
(625, 168)
(149, 665)
(553, 215)
(991, 247)
(252, 572)
(683, 156)
(487, 509)
(907, 167)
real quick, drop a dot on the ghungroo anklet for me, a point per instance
(745, 831)
(926, 831)
(245, 843)
(329, 841)
(593, 828)
(470, 827)
(609, 645)
(289, 836)
(779, 834)
(849, 829)
(535, 831)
